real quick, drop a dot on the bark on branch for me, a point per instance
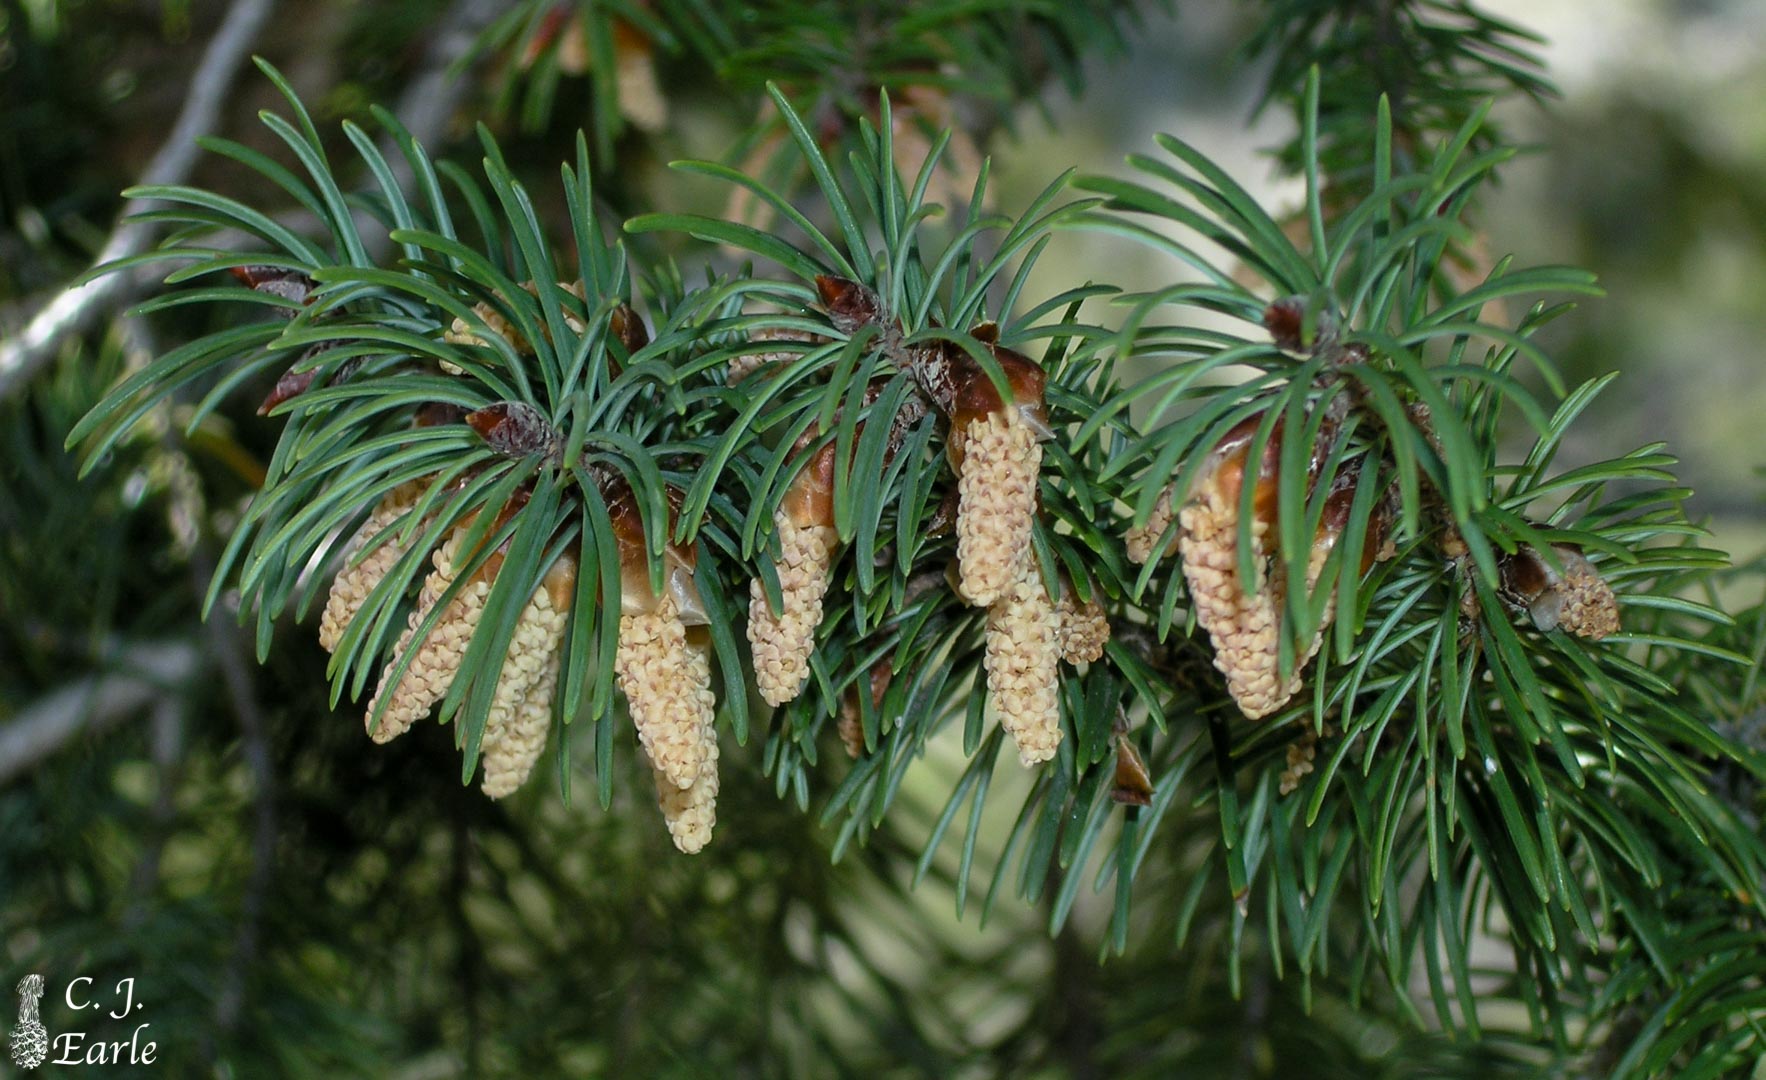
(77, 306)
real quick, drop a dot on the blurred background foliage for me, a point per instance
(295, 902)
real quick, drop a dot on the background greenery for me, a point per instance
(294, 901)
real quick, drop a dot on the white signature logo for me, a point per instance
(30, 1042)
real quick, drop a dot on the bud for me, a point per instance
(291, 385)
(628, 329)
(1285, 319)
(1577, 600)
(516, 429)
(278, 281)
(1132, 784)
(1022, 659)
(521, 710)
(358, 578)
(850, 305)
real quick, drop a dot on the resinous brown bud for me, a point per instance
(1133, 784)
(629, 330)
(1577, 599)
(276, 281)
(850, 305)
(516, 429)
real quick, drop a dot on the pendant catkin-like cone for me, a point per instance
(521, 711)
(1242, 624)
(432, 669)
(356, 580)
(691, 812)
(667, 684)
(1140, 540)
(460, 332)
(782, 642)
(1023, 658)
(1315, 562)
(996, 503)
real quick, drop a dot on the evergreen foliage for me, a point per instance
(1503, 844)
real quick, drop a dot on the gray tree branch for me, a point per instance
(137, 677)
(425, 108)
(75, 307)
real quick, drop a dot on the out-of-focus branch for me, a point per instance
(75, 308)
(425, 108)
(434, 93)
(140, 675)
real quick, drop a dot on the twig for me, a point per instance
(426, 106)
(138, 676)
(74, 309)
(235, 667)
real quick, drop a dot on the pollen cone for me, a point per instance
(358, 578)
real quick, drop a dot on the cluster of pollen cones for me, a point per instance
(1244, 618)
(995, 447)
(662, 664)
